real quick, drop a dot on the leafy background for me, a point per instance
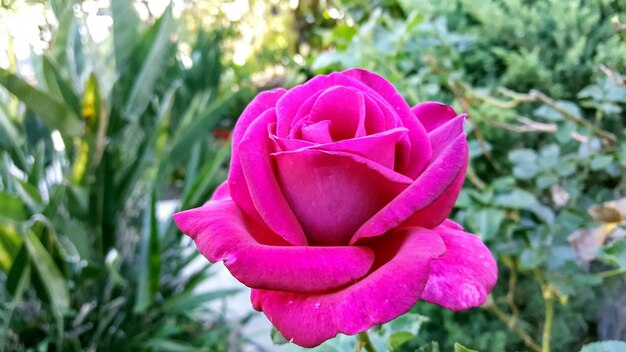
(100, 133)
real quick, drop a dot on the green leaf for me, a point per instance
(600, 162)
(183, 303)
(151, 70)
(55, 114)
(9, 136)
(158, 344)
(605, 346)
(277, 337)
(37, 170)
(546, 180)
(549, 156)
(58, 86)
(29, 195)
(460, 348)
(198, 190)
(198, 126)
(517, 199)
(485, 222)
(525, 161)
(523, 156)
(432, 346)
(149, 260)
(614, 254)
(53, 281)
(18, 268)
(399, 338)
(125, 25)
(59, 45)
(11, 208)
(10, 243)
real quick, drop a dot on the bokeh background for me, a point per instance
(116, 113)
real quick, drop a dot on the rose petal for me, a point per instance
(222, 232)
(463, 277)
(318, 132)
(433, 214)
(221, 192)
(436, 212)
(285, 126)
(420, 145)
(386, 293)
(254, 155)
(433, 193)
(331, 193)
(433, 114)
(240, 193)
(379, 148)
(344, 107)
(296, 103)
(441, 136)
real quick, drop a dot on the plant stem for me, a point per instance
(511, 323)
(547, 327)
(364, 342)
(610, 273)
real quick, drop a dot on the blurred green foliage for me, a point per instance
(542, 85)
(108, 131)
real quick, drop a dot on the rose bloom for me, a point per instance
(335, 208)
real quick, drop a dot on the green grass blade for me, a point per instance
(151, 70)
(12, 209)
(197, 129)
(125, 25)
(51, 277)
(149, 260)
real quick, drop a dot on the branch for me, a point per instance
(511, 324)
(533, 96)
(364, 342)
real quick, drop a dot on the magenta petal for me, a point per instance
(254, 154)
(318, 132)
(420, 145)
(222, 232)
(344, 107)
(441, 136)
(332, 193)
(433, 114)
(463, 277)
(240, 193)
(388, 292)
(221, 192)
(430, 198)
(379, 148)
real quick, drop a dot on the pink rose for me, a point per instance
(335, 208)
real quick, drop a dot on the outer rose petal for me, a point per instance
(430, 198)
(221, 192)
(222, 232)
(386, 293)
(441, 136)
(254, 154)
(240, 193)
(463, 277)
(433, 114)
(433, 214)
